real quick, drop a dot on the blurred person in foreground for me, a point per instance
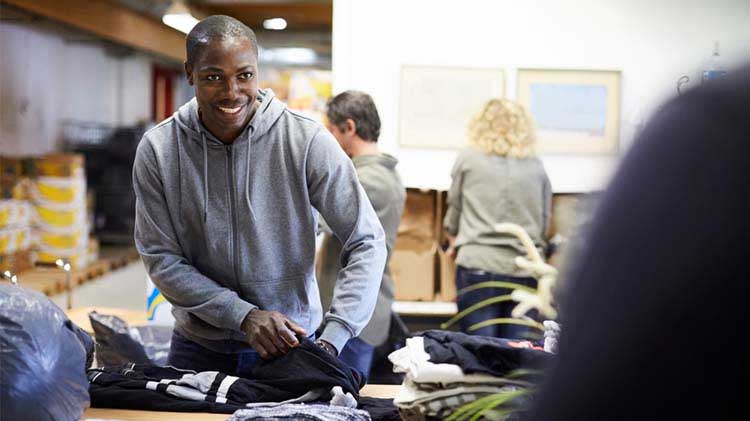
(496, 179)
(654, 307)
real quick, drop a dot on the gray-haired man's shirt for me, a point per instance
(383, 186)
(490, 189)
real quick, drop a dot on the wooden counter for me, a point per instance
(372, 390)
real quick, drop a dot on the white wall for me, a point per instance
(45, 79)
(30, 93)
(653, 43)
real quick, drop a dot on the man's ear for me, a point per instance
(351, 126)
(189, 73)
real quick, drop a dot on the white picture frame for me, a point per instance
(576, 111)
(436, 103)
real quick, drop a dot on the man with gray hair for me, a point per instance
(228, 192)
(353, 120)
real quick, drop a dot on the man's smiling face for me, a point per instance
(225, 76)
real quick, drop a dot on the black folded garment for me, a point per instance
(304, 369)
(380, 409)
(483, 354)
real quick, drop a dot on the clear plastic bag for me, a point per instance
(118, 343)
(43, 359)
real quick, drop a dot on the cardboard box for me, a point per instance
(419, 219)
(413, 273)
(447, 276)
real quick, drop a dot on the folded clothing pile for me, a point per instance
(446, 370)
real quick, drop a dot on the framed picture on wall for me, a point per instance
(436, 103)
(576, 111)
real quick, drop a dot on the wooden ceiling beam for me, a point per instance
(299, 15)
(113, 22)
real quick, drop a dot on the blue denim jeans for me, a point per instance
(358, 355)
(466, 277)
(188, 355)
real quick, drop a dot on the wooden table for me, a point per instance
(425, 308)
(372, 390)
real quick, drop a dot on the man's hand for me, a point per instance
(271, 333)
(450, 251)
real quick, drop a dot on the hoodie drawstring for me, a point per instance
(205, 177)
(247, 172)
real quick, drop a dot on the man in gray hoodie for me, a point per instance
(228, 190)
(353, 120)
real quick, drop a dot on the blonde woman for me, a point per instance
(496, 179)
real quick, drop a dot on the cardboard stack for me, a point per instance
(413, 263)
(421, 270)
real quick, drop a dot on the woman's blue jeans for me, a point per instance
(467, 277)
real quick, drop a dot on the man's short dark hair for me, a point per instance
(359, 107)
(217, 27)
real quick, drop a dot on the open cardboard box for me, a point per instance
(413, 263)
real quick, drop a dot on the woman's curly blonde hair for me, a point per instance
(503, 128)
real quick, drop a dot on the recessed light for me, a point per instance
(275, 24)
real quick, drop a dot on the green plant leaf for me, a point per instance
(473, 308)
(523, 372)
(507, 320)
(474, 410)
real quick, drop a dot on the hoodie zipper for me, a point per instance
(233, 216)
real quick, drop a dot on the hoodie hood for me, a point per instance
(268, 112)
(265, 116)
(384, 159)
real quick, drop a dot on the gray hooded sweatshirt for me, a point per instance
(224, 229)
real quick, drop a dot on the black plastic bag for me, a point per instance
(117, 343)
(43, 359)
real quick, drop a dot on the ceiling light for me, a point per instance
(288, 55)
(275, 24)
(178, 17)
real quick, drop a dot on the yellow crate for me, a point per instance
(59, 189)
(78, 258)
(62, 241)
(59, 165)
(14, 213)
(6, 242)
(61, 218)
(13, 240)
